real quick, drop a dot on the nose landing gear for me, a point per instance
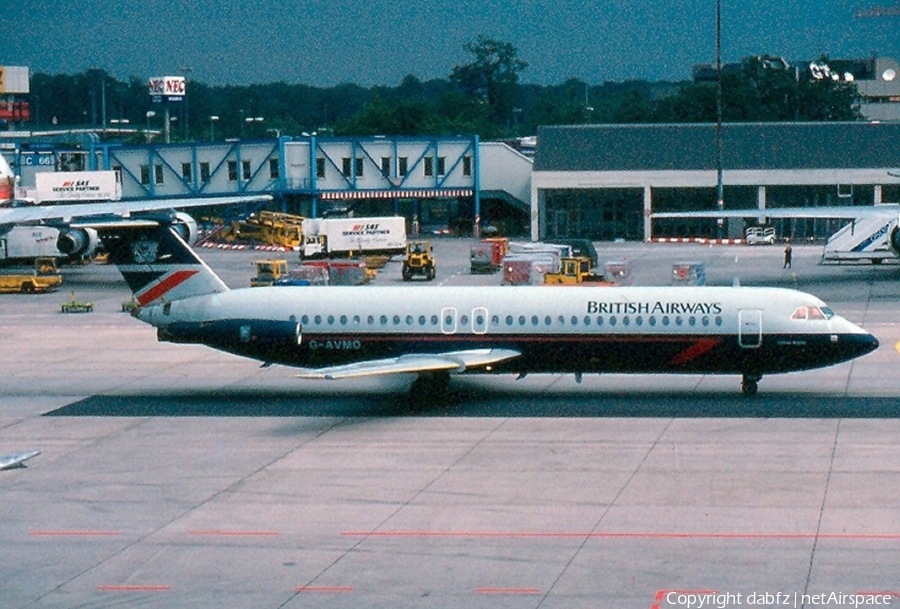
(749, 384)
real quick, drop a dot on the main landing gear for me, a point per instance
(749, 384)
(430, 387)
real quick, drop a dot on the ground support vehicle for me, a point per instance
(275, 272)
(486, 256)
(270, 228)
(76, 306)
(760, 235)
(574, 271)
(419, 261)
(347, 237)
(44, 278)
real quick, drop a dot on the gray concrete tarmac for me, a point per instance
(177, 476)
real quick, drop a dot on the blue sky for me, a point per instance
(380, 41)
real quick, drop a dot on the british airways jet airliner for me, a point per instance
(436, 332)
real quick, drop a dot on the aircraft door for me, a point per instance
(4, 252)
(448, 320)
(479, 320)
(750, 328)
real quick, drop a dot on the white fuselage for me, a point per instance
(629, 329)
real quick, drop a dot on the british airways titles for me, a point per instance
(649, 308)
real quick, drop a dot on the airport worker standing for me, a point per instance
(788, 253)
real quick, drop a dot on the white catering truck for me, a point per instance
(76, 186)
(329, 237)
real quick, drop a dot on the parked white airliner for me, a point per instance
(67, 230)
(340, 332)
(882, 244)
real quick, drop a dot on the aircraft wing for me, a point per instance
(454, 362)
(17, 460)
(85, 212)
(845, 212)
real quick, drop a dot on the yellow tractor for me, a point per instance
(269, 272)
(573, 271)
(44, 278)
(419, 261)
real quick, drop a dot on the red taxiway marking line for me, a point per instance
(73, 533)
(234, 533)
(134, 588)
(324, 589)
(507, 590)
(623, 535)
(880, 593)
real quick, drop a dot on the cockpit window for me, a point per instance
(804, 313)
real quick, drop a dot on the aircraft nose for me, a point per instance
(872, 343)
(861, 343)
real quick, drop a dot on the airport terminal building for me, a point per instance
(604, 181)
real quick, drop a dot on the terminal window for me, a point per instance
(204, 171)
(232, 171)
(433, 164)
(158, 173)
(186, 171)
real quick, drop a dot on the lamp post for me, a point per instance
(212, 127)
(253, 119)
(150, 114)
(720, 189)
(186, 71)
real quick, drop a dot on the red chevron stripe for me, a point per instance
(168, 282)
(696, 350)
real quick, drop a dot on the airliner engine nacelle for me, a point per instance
(186, 227)
(78, 242)
(266, 339)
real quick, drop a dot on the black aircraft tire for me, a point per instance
(430, 388)
(749, 388)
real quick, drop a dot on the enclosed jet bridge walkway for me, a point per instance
(383, 174)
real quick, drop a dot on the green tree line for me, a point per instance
(483, 96)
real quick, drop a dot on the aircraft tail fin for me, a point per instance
(156, 262)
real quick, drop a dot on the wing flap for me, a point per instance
(455, 362)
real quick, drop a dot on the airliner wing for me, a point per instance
(454, 362)
(17, 460)
(845, 212)
(85, 212)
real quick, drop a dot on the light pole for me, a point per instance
(720, 189)
(253, 119)
(212, 127)
(186, 71)
(150, 114)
